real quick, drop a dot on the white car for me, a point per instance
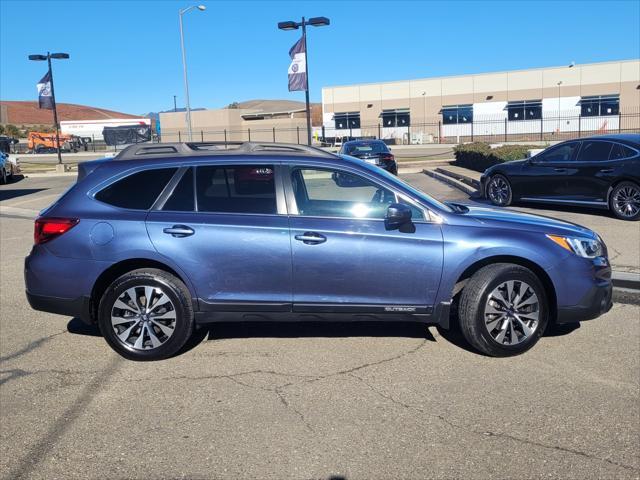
(9, 167)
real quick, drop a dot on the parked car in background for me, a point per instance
(375, 152)
(600, 172)
(166, 236)
(8, 168)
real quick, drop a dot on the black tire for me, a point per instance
(3, 177)
(503, 182)
(614, 201)
(181, 306)
(474, 299)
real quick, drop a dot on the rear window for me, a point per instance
(594, 151)
(236, 189)
(375, 147)
(137, 191)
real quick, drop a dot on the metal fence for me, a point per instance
(550, 127)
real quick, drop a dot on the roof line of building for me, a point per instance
(629, 60)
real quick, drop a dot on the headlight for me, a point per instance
(584, 247)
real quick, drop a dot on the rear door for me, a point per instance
(344, 260)
(545, 176)
(593, 172)
(226, 227)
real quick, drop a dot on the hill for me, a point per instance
(28, 113)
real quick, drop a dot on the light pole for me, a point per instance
(184, 64)
(290, 25)
(559, 83)
(175, 107)
(48, 57)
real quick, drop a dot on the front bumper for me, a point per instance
(591, 291)
(483, 185)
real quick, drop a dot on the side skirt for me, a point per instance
(279, 312)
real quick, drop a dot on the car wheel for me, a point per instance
(624, 201)
(146, 314)
(3, 177)
(503, 310)
(499, 191)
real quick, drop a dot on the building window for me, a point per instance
(525, 110)
(396, 118)
(457, 114)
(599, 105)
(347, 120)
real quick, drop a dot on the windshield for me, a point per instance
(373, 147)
(429, 200)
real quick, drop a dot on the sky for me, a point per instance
(125, 55)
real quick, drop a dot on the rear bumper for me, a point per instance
(71, 307)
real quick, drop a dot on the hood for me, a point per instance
(502, 218)
(510, 163)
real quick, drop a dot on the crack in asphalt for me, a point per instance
(467, 429)
(20, 373)
(32, 346)
(38, 452)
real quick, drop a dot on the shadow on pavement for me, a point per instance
(18, 192)
(237, 330)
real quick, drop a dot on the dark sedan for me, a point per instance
(375, 152)
(600, 172)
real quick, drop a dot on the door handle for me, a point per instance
(311, 238)
(560, 170)
(606, 170)
(179, 231)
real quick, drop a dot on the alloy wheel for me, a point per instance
(499, 190)
(143, 317)
(626, 201)
(511, 313)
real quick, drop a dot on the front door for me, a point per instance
(343, 257)
(230, 236)
(545, 176)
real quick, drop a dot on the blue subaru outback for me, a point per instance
(167, 236)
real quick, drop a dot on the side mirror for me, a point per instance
(398, 214)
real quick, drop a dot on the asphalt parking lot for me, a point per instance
(311, 401)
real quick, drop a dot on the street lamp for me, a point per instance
(559, 83)
(48, 57)
(202, 8)
(291, 25)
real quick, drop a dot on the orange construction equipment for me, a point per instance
(40, 142)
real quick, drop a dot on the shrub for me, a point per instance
(479, 156)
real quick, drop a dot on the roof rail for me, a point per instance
(184, 149)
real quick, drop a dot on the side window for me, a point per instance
(236, 189)
(182, 197)
(335, 193)
(619, 151)
(137, 191)
(594, 151)
(559, 153)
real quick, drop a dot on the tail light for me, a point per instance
(388, 157)
(46, 229)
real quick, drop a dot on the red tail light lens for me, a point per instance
(46, 229)
(388, 157)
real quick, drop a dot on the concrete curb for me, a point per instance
(450, 181)
(626, 280)
(472, 182)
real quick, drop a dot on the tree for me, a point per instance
(1, 129)
(233, 105)
(11, 130)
